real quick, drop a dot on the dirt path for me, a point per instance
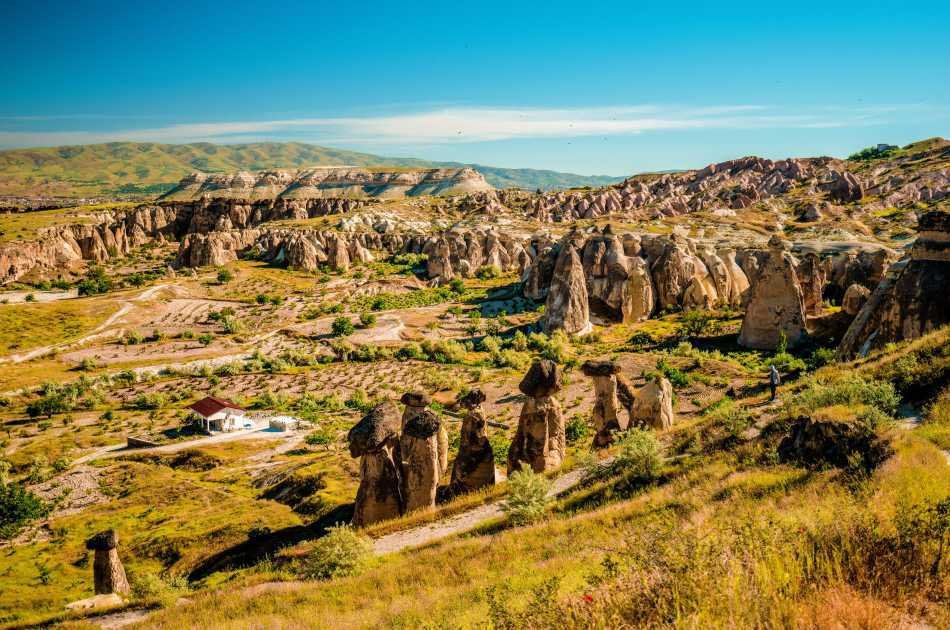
(465, 521)
(97, 332)
(116, 450)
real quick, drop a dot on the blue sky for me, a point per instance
(594, 88)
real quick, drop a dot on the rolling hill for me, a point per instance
(145, 168)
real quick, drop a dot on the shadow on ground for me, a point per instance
(261, 546)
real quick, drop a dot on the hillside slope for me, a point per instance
(150, 168)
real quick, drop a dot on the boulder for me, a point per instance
(653, 405)
(421, 464)
(542, 379)
(844, 187)
(474, 466)
(108, 572)
(375, 439)
(777, 304)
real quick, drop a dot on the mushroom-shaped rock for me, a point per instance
(605, 415)
(415, 403)
(542, 379)
(375, 439)
(108, 573)
(474, 466)
(540, 440)
(653, 405)
(421, 466)
(777, 304)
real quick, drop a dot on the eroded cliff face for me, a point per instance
(341, 182)
(911, 300)
(61, 247)
(211, 212)
(811, 187)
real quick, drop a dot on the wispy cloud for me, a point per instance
(476, 124)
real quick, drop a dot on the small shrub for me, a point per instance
(225, 276)
(735, 419)
(488, 272)
(527, 497)
(639, 454)
(340, 553)
(319, 438)
(367, 319)
(675, 376)
(18, 506)
(342, 327)
(695, 323)
(576, 429)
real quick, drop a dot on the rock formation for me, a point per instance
(844, 187)
(375, 439)
(540, 442)
(653, 405)
(416, 404)
(854, 298)
(911, 300)
(462, 252)
(566, 307)
(811, 277)
(605, 414)
(108, 573)
(474, 466)
(619, 287)
(777, 305)
(328, 182)
(421, 462)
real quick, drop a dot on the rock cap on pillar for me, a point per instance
(543, 379)
(423, 425)
(472, 399)
(415, 399)
(600, 368)
(103, 541)
(379, 425)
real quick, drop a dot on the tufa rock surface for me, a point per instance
(540, 442)
(375, 439)
(911, 300)
(777, 304)
(474, 466)
(108, 572)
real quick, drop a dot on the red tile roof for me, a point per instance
(211, 405)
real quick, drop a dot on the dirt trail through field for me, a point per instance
(117, 450)
(98, 331)
(465, 521)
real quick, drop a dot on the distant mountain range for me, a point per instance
(146, 168)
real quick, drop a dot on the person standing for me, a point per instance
(774, 380)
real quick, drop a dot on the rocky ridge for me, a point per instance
(328, 182)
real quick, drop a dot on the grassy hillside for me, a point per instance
(147, 168)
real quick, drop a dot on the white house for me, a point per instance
(218, 414)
